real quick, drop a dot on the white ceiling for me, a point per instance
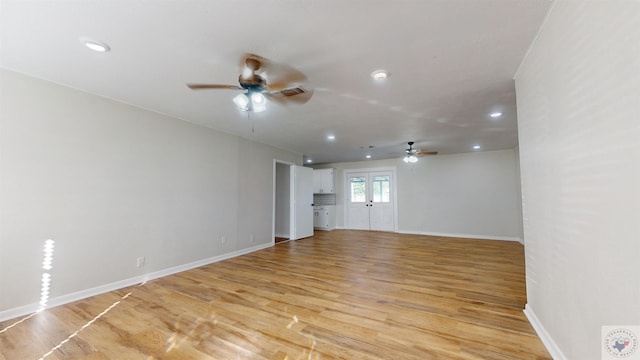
(451, 63)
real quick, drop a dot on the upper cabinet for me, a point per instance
(323, 181)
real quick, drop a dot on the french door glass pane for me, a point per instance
(358, 189)
(380, 189)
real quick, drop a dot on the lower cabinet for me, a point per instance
(324, 217)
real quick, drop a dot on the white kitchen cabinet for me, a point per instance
(324, 217)
(323, 181)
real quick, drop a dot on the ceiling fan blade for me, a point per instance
(213, 86)
(252, 61)
(298, 95)
(278, 76)
(281, 77)
(424, 153)
(277, 98)
(250, 65)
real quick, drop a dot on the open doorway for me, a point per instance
(282, 201)
(292, 201)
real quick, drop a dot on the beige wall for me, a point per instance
(110, 182)
(578, 102)
(474, 194)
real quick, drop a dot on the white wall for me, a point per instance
(110, 182)
(519, 191)
(473, 195)
(578, 103)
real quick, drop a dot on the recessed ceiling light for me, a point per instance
(476, 147)
(96, 45)
(331, 137)
(309, 160)
(495, 114)
(379, 74)
(368, 156)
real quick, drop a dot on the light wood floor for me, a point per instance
(340, 294)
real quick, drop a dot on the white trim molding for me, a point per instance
(273, 211)
(544, 336)
(83, 294)
(468, 236)
(535, 40)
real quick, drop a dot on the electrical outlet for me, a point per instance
(222, 239)
(253, 238)
(140, 261)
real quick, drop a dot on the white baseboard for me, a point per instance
(323, 229)
(469, 236)
(18, 312)
(83, 294)
(544, 336)
(286, 236)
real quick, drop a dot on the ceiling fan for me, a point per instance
(411, 155)
(261, 79)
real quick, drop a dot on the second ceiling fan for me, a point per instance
(262, 80)
(411, 155)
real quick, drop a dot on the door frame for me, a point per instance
(292, 199)
(394, 190)
(291, 189)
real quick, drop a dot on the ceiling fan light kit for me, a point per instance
(410, 159)
(258, 102)
(255, 102)
(242, 102)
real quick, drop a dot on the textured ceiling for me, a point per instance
(451, 63)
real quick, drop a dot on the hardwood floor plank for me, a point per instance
(338, 295)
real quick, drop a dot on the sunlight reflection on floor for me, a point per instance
(17, 322)
(89, 323)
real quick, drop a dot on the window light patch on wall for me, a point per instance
(47, 265)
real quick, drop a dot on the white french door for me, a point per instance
(370, 200)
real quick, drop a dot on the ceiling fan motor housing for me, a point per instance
(253, 83)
